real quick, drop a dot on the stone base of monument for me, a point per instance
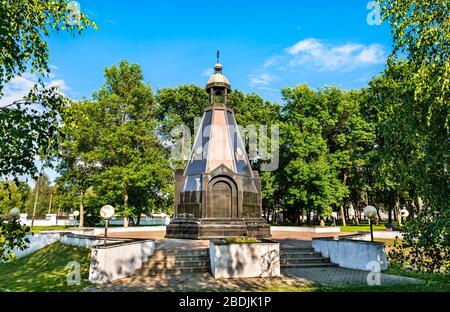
(190, 228)
(241, 260)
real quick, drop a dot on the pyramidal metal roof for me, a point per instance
(218, 142)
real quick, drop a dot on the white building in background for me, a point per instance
(50, 220)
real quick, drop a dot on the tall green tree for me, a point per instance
(78, 157)
(310, 170)
(28, 127)
(121, 157)
(417, 115)
(13, 194)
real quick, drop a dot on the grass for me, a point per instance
(362, 227)
(432, 283)
(239, 240)
(45, 270)
(37, 229)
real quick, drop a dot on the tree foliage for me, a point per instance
(25, 25)
(29, 126)
(111, 145)
(414, 96)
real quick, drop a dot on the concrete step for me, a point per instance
(176, 261)
(175, 271)
(182, 252)
(307, 265)
(300, 254)
(304, 260)
(177, 258)
(296, 250)
(177, 264)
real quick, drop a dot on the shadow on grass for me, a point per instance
(45, 270)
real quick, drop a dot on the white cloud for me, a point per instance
(310, 45)
(316, 54)
(20, 86)
(273, 60)
(263, 79)
(59, 83)
(17, 89)
(207, 72)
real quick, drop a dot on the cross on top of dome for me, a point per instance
(218, 81)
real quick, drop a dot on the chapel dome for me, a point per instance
(218, 79)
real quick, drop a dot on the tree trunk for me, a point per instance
(81, 210)
(389, 206)
(50, 204)
(344, 223)
(322, 222)
(357, 213)
(138, 220)
(420, 202)
(342, 212)
(125, 204)
(397, 208)
(36, 197)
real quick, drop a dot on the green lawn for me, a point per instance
(362, 228)
(427, 287)
(37, 229)
(45, 270)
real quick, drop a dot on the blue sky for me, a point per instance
(265, 45)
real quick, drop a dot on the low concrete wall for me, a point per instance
(39, 241)
(115, 261)
(352, 254)
(36, 242)
(245, 260)
(306, 229)
(100, 231)
(85, 241)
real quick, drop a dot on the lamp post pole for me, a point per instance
(106, 213)
(106, 231)
(370, 212)
(371, 230)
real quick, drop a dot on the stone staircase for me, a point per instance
(302, 258)
(176, 262)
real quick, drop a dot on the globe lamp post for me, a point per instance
(334, 216)
(14, 213)
(76, 213)
(106, 213)
(370, 212)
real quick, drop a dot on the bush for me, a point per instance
(12, 235)
(239, 240)
(433, 258)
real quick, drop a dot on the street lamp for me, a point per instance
(76, 213)
(404, 213)
(14, 213)
(334, 216)
(106, 213)
(370, 212)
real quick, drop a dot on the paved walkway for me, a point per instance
(300, 278)
(336, 276)
(297, 278)
(275, 235)
(198, 282)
